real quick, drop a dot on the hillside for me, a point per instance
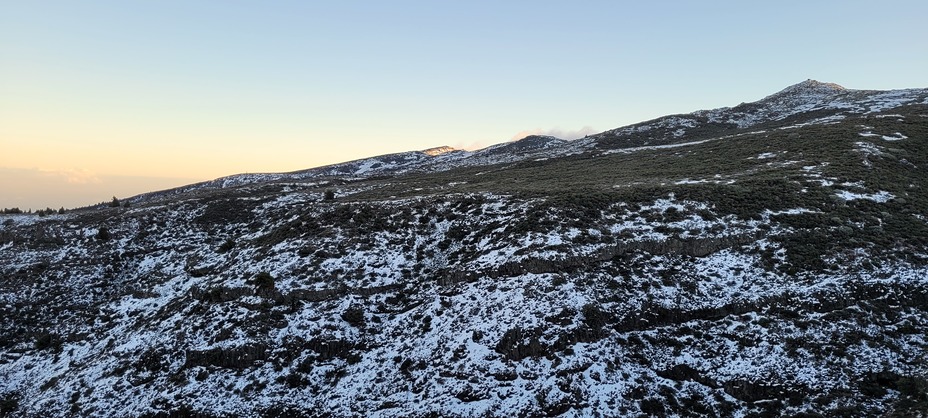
(768, 259)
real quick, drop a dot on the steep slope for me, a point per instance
(807, 103)
(778, 269)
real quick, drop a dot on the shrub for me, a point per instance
(263, 281)
(594, 317)
(226, 246)
(672, 214)
(295, 380)
(913, 396)
(354, 316)
(103, 233)
(652, 407)
(47, 341)
(9, 404)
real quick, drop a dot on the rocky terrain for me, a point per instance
(769, 259)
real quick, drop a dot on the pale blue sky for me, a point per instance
(199, 89)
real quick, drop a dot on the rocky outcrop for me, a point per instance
(228, 358)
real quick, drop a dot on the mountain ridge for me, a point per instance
(803, 97)
(807, 87)
(767, 261)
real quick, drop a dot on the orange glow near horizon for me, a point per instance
(164, 91)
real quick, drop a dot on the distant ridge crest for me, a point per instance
(438, 150)
(807, 87)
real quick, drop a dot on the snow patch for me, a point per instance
(895, 137)
(653, 147)
(879, 197)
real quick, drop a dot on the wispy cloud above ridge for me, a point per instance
(73, 175)
(555, 132)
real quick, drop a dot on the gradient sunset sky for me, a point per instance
(103, 98)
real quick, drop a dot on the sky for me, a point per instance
(117, 98)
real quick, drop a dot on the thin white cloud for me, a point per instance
(556, 132)
(473, 146)
(74, 175)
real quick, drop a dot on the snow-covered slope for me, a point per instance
(809, 102)
(773, 270)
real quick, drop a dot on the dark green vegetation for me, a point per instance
(649, 171)
(792, 177)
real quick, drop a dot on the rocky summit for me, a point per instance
(767, 259)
